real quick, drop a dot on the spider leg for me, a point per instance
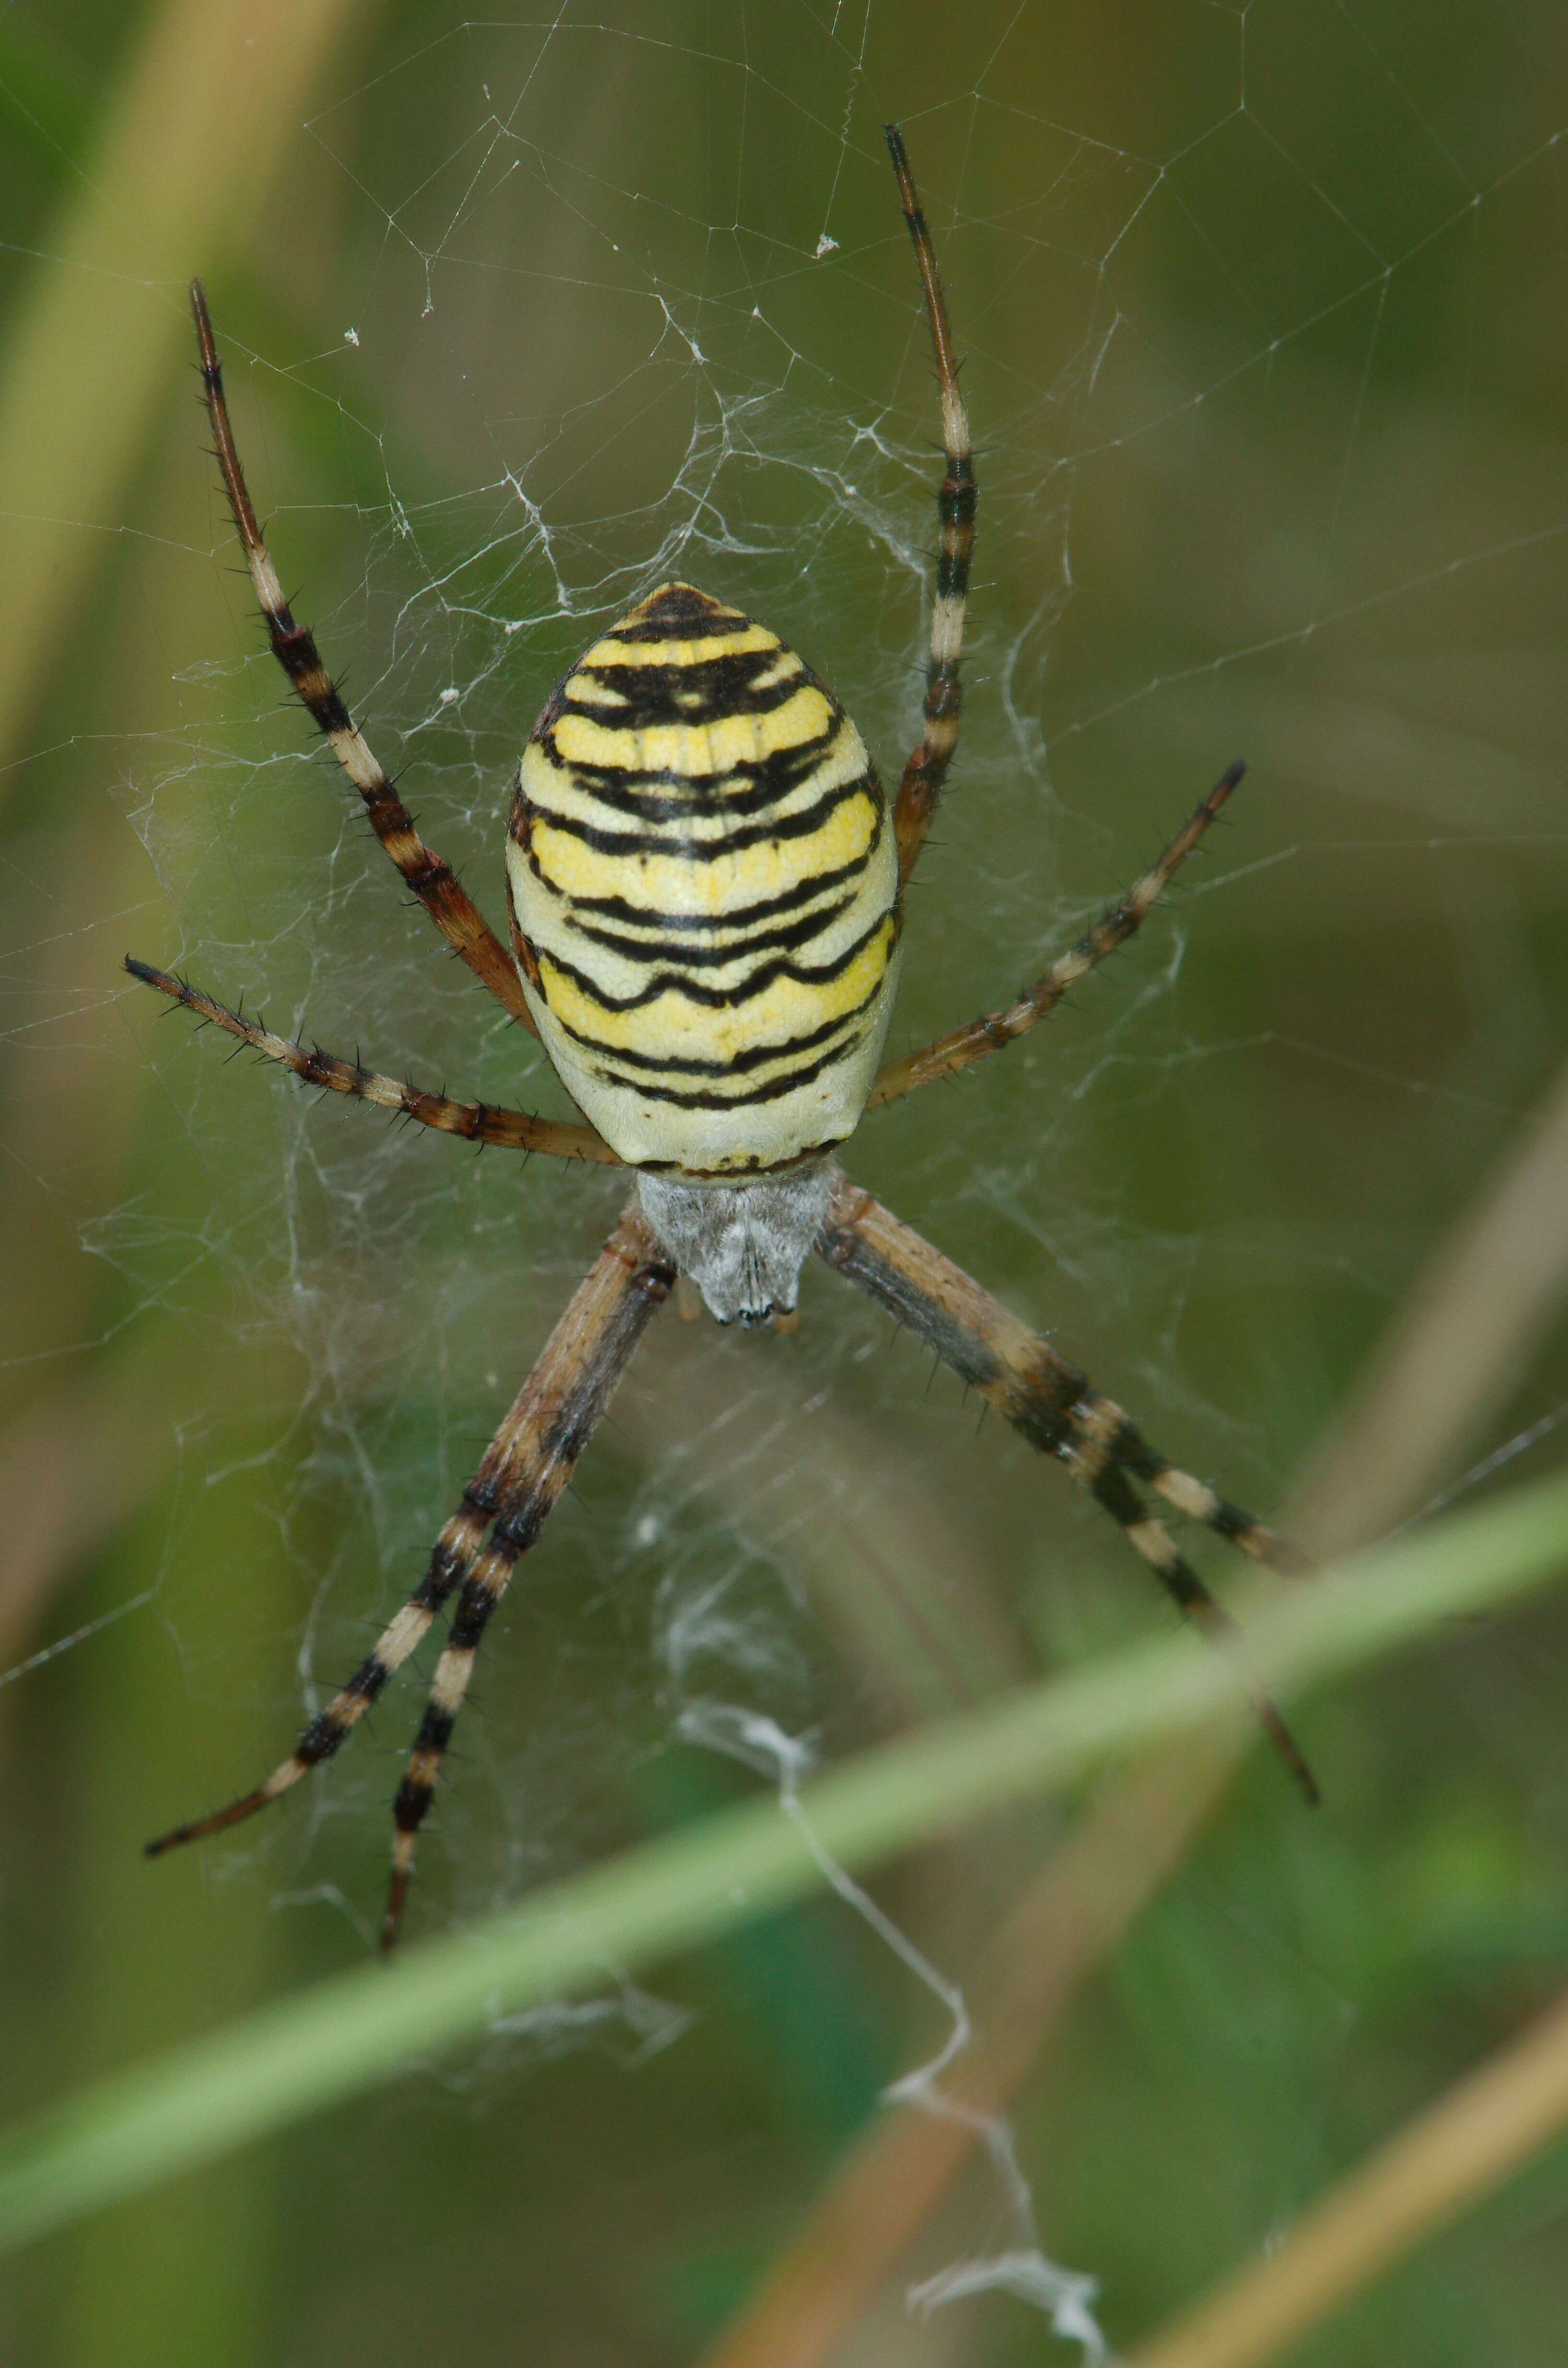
(1106, 1434)
(519, 1479)
(1115, 1494)
(1051, 1403)
(1061, 1399)
(955, 499)
(433, 882)
(1114, 926)
(561, 1406)
(475, 1121)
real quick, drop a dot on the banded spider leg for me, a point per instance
(518, 1481)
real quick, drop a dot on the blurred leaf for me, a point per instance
(51, 103)
(190, 142)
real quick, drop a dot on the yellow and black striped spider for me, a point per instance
(704, 885)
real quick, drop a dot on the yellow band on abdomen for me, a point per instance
(702, 871)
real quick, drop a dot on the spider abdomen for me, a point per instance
(704, 887)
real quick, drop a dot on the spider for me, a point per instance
(704, 889)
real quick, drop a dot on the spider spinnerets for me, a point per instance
(704, 879)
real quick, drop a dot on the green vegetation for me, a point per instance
(1274, 463)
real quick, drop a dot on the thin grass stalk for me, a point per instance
(344, 2035)
(1458, 1348)
(1065, 1922)
(1447, 2158)
(1466, 1332)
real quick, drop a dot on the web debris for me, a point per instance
(1023, 2270)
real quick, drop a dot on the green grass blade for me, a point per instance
(211, 93)
(344, 2035)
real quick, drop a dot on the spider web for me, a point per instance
(1258, 385)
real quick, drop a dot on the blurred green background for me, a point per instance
(1263, 311)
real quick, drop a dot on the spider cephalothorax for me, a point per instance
(743, 1244)
(704, 878)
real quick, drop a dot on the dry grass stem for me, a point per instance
(1457, 1349)
(1465, 1335)
(1065, 1923)
(1448, 2156)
